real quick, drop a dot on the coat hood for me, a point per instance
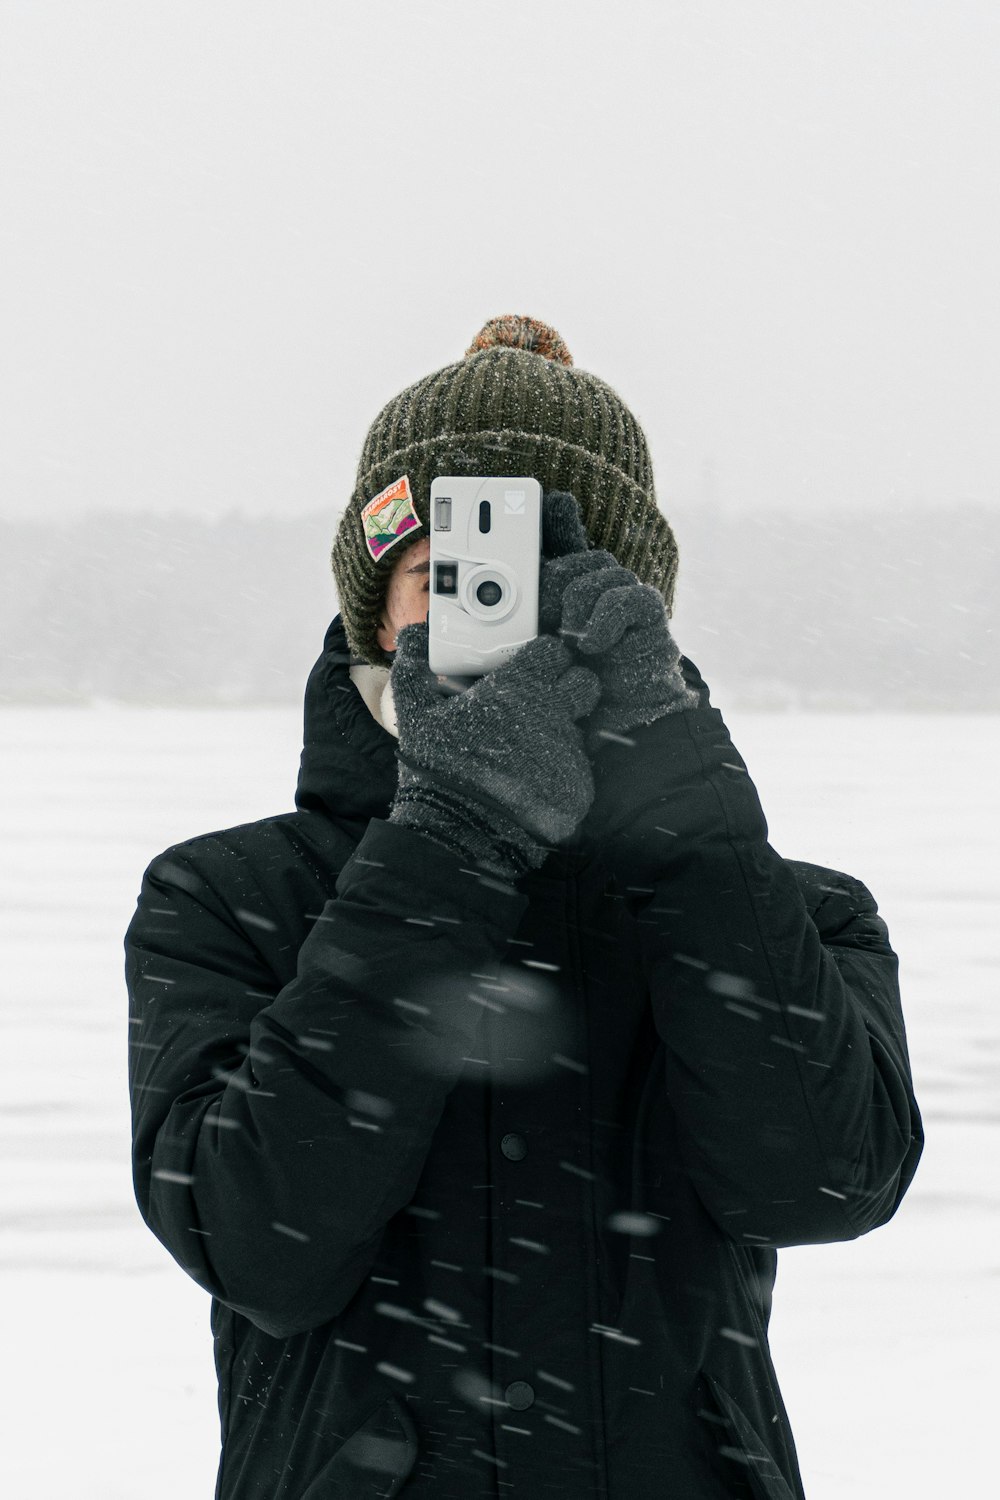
(348, 762)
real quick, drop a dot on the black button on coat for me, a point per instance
(340, 1035)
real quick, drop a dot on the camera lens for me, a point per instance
(489, 592)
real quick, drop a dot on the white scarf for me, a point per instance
(375, 687)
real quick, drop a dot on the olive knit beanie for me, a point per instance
(515, 404)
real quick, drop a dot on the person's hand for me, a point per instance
(615, 623)
(566, 556)
(498, 772)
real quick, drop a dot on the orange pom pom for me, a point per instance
(515, 332)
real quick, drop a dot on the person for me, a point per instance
(481, 1090)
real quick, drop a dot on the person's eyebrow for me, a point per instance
(423, 567)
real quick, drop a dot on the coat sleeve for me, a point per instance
(276, 1131)
(775, 993)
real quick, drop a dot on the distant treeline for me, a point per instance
(848, 611)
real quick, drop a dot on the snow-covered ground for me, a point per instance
(886, 1347)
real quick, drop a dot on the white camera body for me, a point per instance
(485, 563)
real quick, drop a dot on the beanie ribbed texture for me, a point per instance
(515, 404)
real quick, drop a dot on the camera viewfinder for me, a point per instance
(446, 578)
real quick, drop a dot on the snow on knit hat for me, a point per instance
(515, 404)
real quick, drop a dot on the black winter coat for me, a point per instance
(486, 1181)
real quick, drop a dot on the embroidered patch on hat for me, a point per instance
(387, 519)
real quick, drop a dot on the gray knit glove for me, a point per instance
(497, 773)
(617, 624)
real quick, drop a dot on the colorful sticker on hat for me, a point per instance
(387, 519)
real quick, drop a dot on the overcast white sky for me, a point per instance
(229, 232)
